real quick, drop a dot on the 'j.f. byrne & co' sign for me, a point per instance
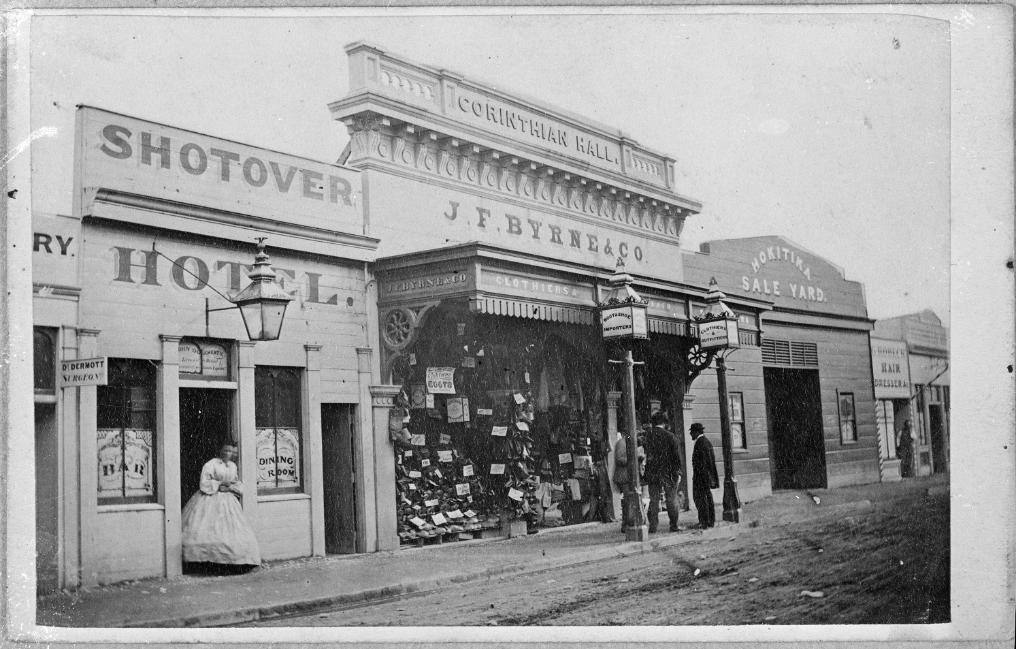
(123, 153)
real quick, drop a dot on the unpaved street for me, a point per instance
(890, 566)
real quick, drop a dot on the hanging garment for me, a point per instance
(215, 529)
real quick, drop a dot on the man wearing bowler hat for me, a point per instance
(663, 470)
(705, 478)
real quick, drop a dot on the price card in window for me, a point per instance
(433, 502)
(484, 411)
(418, 440)
(441, 380)
(496, 469)
(408, 454)
(468, 361)
(515, 494)
(416, 520)
(527, 376)
(438, 519)
(414, 474)
(412, 487)
(519, 399)
(429, 401)
(424, 462)
(564, 458)
(437, 473)
(460, 328)
(462, 489)
(444, 456)
(467, 470)
(412, 359)
(454, 514)
(469, 499)
(469, 513)
(499, 431)
(445, 438)
(521, 425)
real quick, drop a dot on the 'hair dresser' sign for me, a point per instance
(149, 159)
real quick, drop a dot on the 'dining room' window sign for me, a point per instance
(125, 430)
(278, 423)
(204, 359)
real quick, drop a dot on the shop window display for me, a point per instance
(499, 419)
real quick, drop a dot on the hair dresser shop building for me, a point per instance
(501, 223)
(803, 411)
(163, 220)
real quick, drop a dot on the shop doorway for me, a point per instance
(338, 425)
(206, 417)
(46, 499)
(937, 425)
(796, 444)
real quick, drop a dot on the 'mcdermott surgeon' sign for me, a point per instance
(117, 152)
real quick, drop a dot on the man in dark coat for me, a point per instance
(703, 465)
(663, 470)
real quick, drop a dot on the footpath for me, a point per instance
(315, 584)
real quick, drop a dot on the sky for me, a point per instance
(831, 130)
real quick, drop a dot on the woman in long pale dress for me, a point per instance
(214, 527)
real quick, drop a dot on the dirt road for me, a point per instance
(886, 567)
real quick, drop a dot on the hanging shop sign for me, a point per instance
(720, 333)
(83, 371)
(890, 369)
(624, 322)
(123, 153)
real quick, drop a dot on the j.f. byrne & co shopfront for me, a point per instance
(162, 229)
(502, 222)
(803, 412)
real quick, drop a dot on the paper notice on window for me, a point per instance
(414, 474)
(418, 440)
(458, 410)
(444, 456)
(519, 399)
(454, 514)
(515, 494)
(499, 431)
(441, 380)
(496, 469)
(439, 519)
(462, 489)
(467, 470)
(425, 463)
(433, 502)
(416, 520)
(564, 458)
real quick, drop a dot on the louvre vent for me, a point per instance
(787, 352)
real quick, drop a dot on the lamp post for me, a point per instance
(717, 326)
(624, 317)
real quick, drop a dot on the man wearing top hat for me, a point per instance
(705, 478)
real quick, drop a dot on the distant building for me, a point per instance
(926, 342)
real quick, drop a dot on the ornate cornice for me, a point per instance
(378, 138)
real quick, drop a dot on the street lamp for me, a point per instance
(262, 304)
(624, 317)
(717, 329)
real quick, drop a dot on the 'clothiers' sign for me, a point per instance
(130, 155)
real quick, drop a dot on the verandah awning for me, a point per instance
(534, 310)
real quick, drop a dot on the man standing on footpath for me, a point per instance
(703, 466)
(663, 470)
